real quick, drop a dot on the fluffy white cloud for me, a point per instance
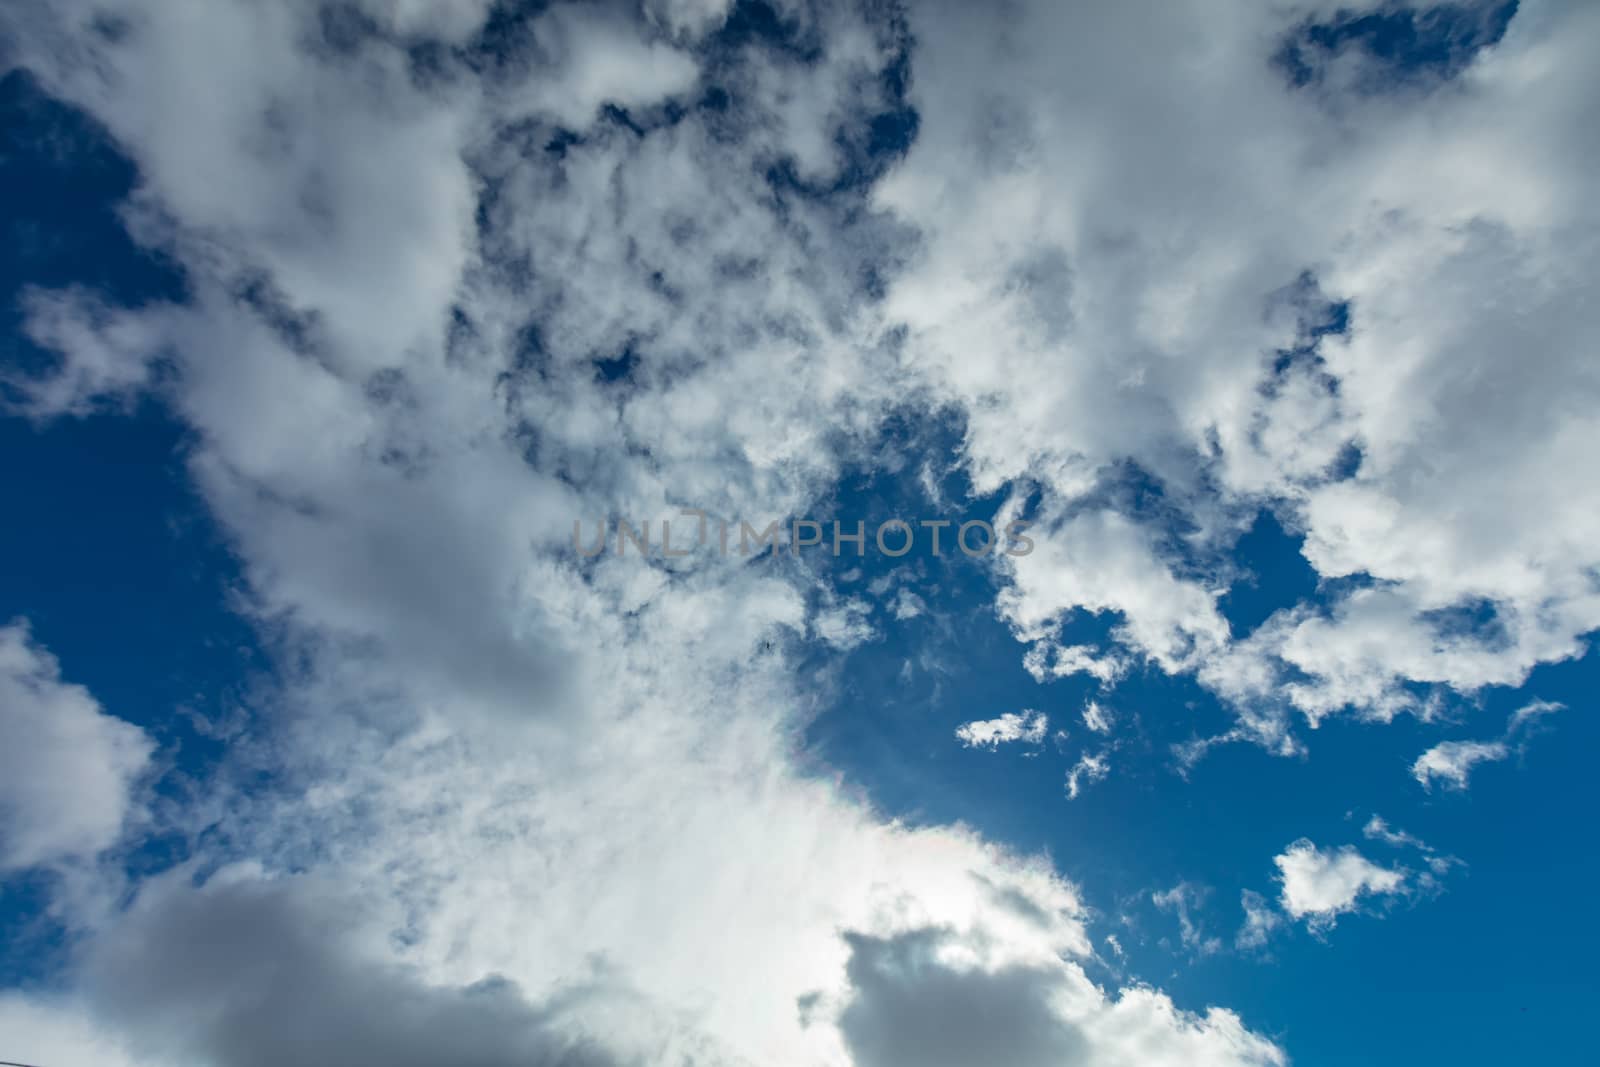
(1101, 561)
(1027, 725)
(1101, 290)
(67, 769)
(1320, 885)
(591, 57)
(1104, 352)
(1451, 762)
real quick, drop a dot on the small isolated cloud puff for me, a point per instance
(1319, 885)
(1451, 762)
(1027, 725)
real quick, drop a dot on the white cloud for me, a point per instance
(1320, 885)
(1047, 660)
(47, 1031)
(1183, 900)
(1028, 726)
(1260, 921)
(497, 761)
(907, 605)
(1378, 829)
(1089, 769)
(1100, 561)
(1097, 718)
(1531, 713)
(67, 769)
(1156, 341)
(845, 624)
(1103, 351)
(1451, 762)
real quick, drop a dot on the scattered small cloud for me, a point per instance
(1529, 714)
(845, 625)
(907, 605)
(1377, 829)
(1260, 920)
(1097, 718)
(1320, 885)
(1047, 661)
(1183, 900)
(1451, 762)
(1087, 771)
(1027, 726)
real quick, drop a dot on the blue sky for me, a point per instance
(321, 325)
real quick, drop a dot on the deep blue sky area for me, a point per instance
(108, 552)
